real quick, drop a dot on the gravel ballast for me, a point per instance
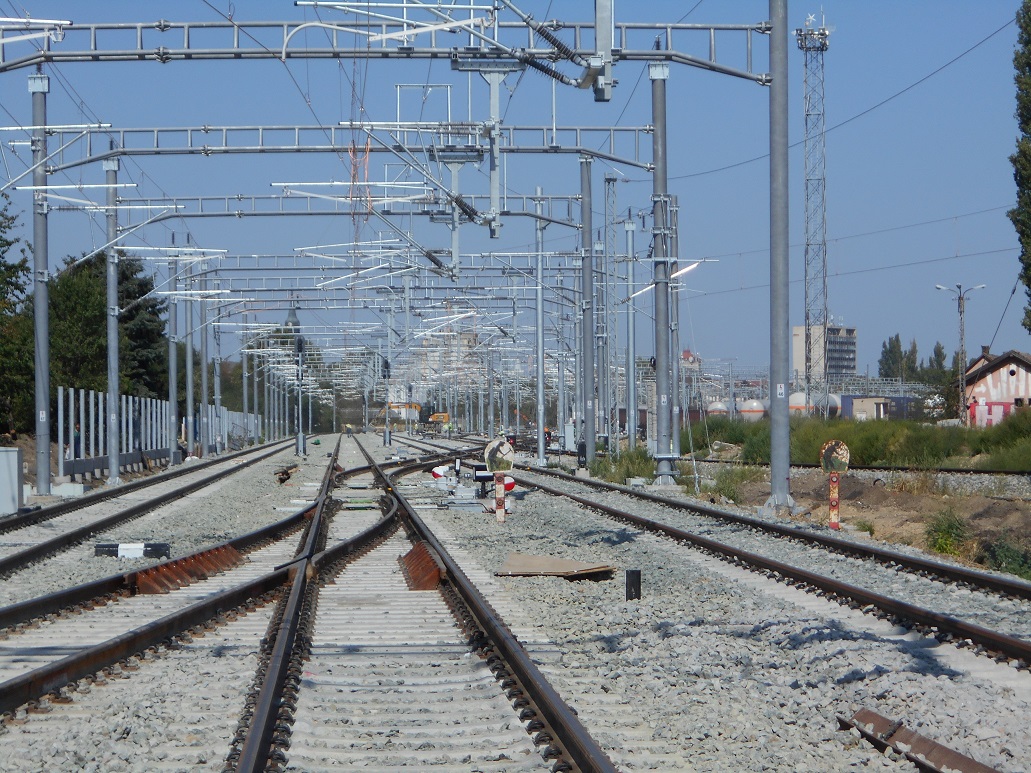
(738, 674)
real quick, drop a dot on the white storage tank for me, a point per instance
(832, 403)
(717, 408)
(796, 404)
(752, 410)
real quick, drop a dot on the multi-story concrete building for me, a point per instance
(841, 352)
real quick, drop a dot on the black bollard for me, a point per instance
(633, 584)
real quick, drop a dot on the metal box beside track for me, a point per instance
(10, 481)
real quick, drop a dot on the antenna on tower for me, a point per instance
(813, 43)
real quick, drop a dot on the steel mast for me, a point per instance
(813, 43)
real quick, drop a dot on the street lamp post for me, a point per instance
(961, 300)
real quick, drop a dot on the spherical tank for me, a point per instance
(831, 401)
(796, 403)
(717, 409)
(752, 410)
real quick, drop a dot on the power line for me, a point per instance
(874, 269)
(849, 120)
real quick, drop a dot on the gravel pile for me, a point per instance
(733, 671)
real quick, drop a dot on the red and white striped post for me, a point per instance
(499, 496)
(834, 522)
(834, 457)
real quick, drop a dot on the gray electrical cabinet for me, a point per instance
(10, 481)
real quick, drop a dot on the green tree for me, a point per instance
(143, 348)
(16, 385)
(1020, 215)
(896, 362)
(78, 330)
(937, 361)
(890, 363)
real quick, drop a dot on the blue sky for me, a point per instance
(919, 105)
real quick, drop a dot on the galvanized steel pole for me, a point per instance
(659, 72)
(39, 86)
(205, 413)
(780, 332)
(539, 208)
(587, 342)
(173, 376)
(244, 385)
(189, 362)
(631, 333)
(111, 178)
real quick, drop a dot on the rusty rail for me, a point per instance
(1010, 586)
(992, 640)
(24, 557)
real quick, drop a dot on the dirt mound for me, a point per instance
(898, 515)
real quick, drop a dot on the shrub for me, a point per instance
(1004, 556)
(1015, 456)
(1015, 430)
(947, 532)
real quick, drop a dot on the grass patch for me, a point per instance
(864, 525)
(947, 533)
(729, 478)
(634, 463)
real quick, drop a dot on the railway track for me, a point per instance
(731, 669)
(62, 665)
(32, 537)
(317, 654)
(988, 611)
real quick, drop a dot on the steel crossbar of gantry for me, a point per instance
(623, 145)
(166, 41)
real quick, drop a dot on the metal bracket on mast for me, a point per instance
(494, 72)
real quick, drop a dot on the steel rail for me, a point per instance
(1011, 586)
(128, 582)
(256, 747)
(260, 741)
(567, 731)
(109, 492)
(23, 558)
(993, 640)
(52, 677)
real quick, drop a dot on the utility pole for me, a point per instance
(243, 384)
(631, 335)
(114, 462)
(658, 72)
(173, 375)
(780, 330)
(961, 302)
(587, 307)
(539, 230)
(39, 86)
(189, 362)
(205, 414)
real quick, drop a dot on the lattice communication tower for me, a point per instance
(812, 40)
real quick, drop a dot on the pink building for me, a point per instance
(996, 384)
